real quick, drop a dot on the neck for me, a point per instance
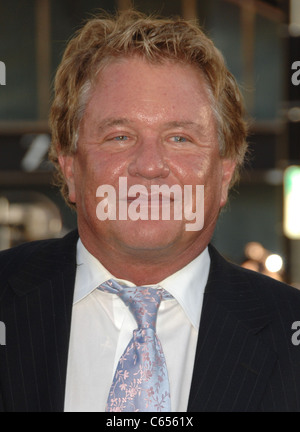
(144, 267)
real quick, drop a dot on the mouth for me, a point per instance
(150, 199)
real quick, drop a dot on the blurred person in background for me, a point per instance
(149, 100)
(259, 259)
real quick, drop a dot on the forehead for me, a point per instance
(136, 86)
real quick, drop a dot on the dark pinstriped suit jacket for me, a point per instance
(245, 359)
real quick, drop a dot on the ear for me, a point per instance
(66, 163)
(229, 167)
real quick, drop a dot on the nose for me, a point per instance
(149, 161)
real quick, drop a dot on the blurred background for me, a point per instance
(260, 228)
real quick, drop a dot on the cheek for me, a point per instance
(210, 176)
(205, 170)
(190, 169)
(95, 169)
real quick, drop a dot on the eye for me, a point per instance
(121, 138)
(179, 139)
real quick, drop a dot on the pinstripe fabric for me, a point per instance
(36, 305)
(245, 360)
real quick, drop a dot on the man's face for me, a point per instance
(152, 125)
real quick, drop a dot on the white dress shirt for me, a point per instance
(102, 326)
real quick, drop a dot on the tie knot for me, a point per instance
(143, 302)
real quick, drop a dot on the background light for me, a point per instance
(292, 202)
(274, 263)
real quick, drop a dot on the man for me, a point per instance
(144, 103)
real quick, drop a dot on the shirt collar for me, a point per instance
(187, 285)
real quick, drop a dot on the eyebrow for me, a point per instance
(182, 124)
(111, 122)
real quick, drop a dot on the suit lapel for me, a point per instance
(232, 365)
(40, 312)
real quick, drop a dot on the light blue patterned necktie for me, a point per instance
(141, 379)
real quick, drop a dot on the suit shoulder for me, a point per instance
(244, 282)
(11, 259)
(268, 288)
(17, 257)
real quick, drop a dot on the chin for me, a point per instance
(150, 235)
